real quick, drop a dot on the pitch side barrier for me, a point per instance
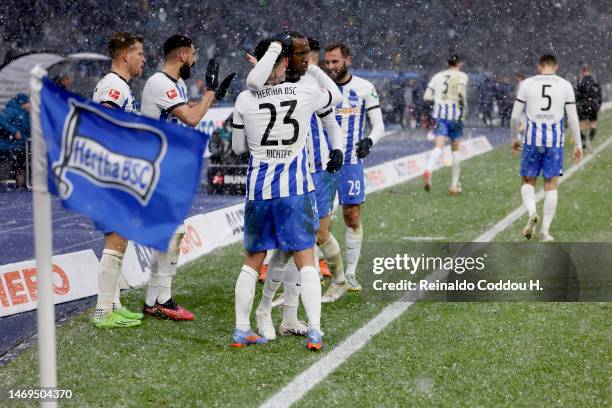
(75, 275)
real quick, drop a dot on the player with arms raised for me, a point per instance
(359, 99)
(280, 212)
(448, 92)
(165, 97)
(113, 90)
(544, 98)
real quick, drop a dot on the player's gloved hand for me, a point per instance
(212, 75)
(335, 161)
(224, 86)
(364, 147)
(286, 41)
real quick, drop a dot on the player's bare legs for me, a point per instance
(431, 162)
(353, 240)
(455, 188)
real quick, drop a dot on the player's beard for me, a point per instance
(338, 74)
(185, 71)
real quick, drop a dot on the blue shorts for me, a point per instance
(351, 185)
(286, 223)
(548, 160)
(452, 129)
(325, 191)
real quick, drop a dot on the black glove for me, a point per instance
(286, 41)
(212, 75)
(364, 147)
(335, 161)
(223, 87)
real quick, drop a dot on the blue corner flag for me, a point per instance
(133, 175)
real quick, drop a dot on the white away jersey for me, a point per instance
(358, 97)
(446, 86)
(545, 97)
(114, 90)
(161, 94)
(276, 122)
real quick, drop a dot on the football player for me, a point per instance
(448, 91)
(544, 98)
(113, 90)
(280, 212)
(165, 97)
(359, 100)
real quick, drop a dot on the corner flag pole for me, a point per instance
(42, 242)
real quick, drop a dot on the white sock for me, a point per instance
(117, 298)
(455, 170)
(153, 285)
(244, 294)
(291, 294)
(529, 201)
(110, 268)
(550, 206)
(331, 251)
(311, 296)
(166, 267)
(433, 158)
(353, 240)
(274, 278)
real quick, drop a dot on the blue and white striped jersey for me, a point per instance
(276, 123)
(161, 94)
(358, 97)
(114, 90)
(545, 98)
(319, 145)
(448, 87)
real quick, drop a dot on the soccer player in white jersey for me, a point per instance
(280, 212)
(324, 144)
(359, 99)
(165, 97)
(544, 98)
(448, 92)
(113, 90)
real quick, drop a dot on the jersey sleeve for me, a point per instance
(372, 100)
(570, 97)
(317, 97)
(521, 95)
(115, 95)
(167, 96)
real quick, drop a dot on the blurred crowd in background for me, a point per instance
(403, 42)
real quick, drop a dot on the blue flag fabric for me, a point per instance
(133, 175)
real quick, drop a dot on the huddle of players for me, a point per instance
(164, 97)
(301, 126)
(544, 99)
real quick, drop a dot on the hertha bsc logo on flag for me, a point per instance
(132, 175)
(104, 163)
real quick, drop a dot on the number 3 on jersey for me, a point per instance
(288, 120)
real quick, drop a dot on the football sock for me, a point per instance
(274, 277)
(353, 239)
(528, 195)
(166, 268)
(331, 251)
(244, 294)
(291, 294)
(110, 268)
(433, 158)
(311, 296)
(592, 133)
(550, 206)
(455, 170)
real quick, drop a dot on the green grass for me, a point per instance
(436, 354)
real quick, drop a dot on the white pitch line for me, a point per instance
(316, 373)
